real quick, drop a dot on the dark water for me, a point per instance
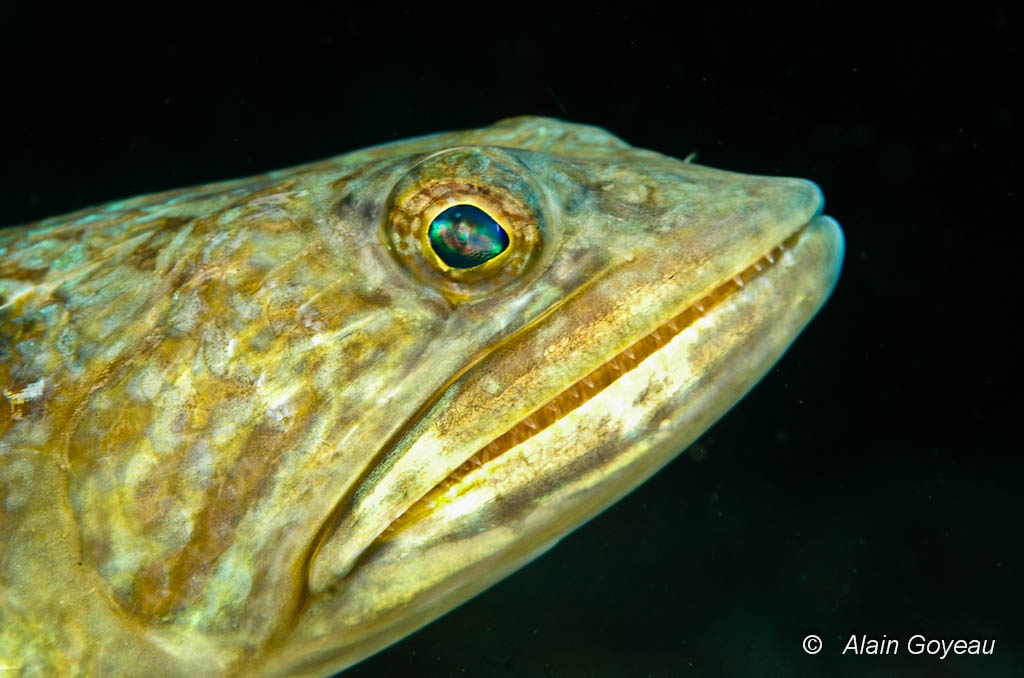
(869, 485)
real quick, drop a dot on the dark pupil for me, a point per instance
(464, 236)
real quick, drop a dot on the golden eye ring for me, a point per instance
(493, 190)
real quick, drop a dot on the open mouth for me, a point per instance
(591, 384)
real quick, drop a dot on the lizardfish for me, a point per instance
(269, 426)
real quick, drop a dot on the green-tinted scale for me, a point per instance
(464, 236)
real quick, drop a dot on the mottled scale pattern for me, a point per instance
(163, 356)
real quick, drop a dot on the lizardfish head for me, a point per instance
(275, 425)
(639, 298)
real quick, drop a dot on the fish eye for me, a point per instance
(468, 221)
(465, 236)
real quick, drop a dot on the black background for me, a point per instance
(869, 484)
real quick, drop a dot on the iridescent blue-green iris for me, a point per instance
(464, 236)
